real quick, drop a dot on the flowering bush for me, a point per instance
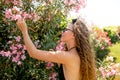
(108, 69)
(16, 51)
(101, 41)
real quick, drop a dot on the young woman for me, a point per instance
(78, 61)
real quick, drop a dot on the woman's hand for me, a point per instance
(22, 25)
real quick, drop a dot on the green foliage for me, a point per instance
(47, 30)
(115, 51)
(112, 33)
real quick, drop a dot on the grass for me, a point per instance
(115, 51)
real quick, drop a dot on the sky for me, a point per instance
(102, 12)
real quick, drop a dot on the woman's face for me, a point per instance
(67, 34)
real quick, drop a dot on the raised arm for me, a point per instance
(53, 56)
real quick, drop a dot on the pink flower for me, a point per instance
(16, 17)
(7, 54)
(2, 53)
(8, 1)
(8, 13)
(49, 65)
(77, 8)
(9, 42)
(19, 46)
(15, 9)
(102, 47)
(15, 59)
(35, 17)
(19, 63)
(60, 46)
(16, 2)
(14, 52)
(23, 57)
(23, 51)
(66, 2)
(82, 3)
(12, 47)
(26, 15)
(53, 76)
(102, 71)
(18, 38)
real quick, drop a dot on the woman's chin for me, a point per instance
(62, 40)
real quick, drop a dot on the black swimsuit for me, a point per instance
(61, 74)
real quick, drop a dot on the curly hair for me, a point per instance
(85, 51)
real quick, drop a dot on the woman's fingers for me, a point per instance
(21, 24)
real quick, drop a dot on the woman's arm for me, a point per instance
(52, 56)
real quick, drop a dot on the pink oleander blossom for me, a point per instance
(53, 76)
(8, 13)
(13, 47)
(19, 46)
(18, 38)
(15, 59)
(7, 54)
(16, 17)
(26, 15)
(16, 2)
(19, 63)
(9, 42)
(35, 16)
(77, 8)
(109, 70)
(14, 51)
(23, 57)
(8, 1)
(49, 65)
(60, 46)
(2, 53)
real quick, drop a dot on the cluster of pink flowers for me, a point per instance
(16, 52)
(76, 4)
(15, 14)
(109, 68)
(14, 2)
(102, 39)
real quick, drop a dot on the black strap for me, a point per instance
(61, 74)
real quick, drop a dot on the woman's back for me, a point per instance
(72, 69)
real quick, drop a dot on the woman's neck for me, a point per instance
(70, 45)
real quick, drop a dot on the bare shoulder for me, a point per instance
(74, 57)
